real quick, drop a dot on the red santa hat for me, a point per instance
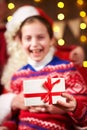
(21, 14)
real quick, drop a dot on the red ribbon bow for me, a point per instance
(49, 85)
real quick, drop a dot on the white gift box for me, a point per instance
(43, 91)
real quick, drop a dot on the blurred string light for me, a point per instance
(9, 18)
(37, 1)
(60, 4)
(80, 2)
(60, 16)
(82, 14)
(83, 26)
(11, 6)
(61, 42)
(85, 64)
(83, 38)
(56, 28)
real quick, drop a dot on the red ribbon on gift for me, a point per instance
(47, 96)
(49, 85)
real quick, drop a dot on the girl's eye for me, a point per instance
(28, 38)
(40, 37)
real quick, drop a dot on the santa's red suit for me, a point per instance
(67, 53)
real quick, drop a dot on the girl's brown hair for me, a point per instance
(42, 20)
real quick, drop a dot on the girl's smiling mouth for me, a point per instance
(35, 50)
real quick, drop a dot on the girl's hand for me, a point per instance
(69, 105)
(64, 107)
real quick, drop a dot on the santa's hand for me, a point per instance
(3, 128)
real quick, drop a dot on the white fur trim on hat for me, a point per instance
(19, 16)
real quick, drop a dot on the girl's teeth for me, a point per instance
(36, 51)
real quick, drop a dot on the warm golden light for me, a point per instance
(83, 26)
(60, 4)
(85, 64)
(60, 16)
(37, 1)
(61, 42)
(11, 6)
(9, 18)
(83, 38)
(56, 28)
(82, 13)
(80, 2)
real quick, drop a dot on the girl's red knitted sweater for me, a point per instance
(74, 84)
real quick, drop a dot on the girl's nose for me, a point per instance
(34, 42)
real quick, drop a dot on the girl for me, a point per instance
(36, 37)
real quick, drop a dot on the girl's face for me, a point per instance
(36, 40)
